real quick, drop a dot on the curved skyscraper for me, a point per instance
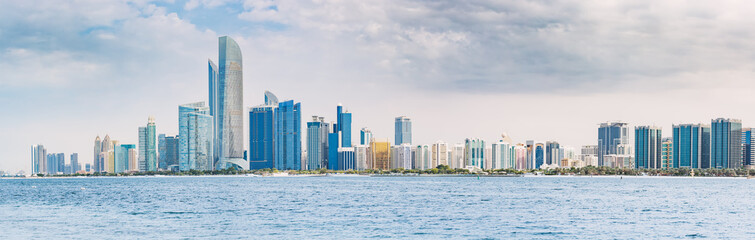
(226, 105)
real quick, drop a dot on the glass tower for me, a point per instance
(261, 135)
(726, 143)
(691, 146)
(317, 143)
(611, 136)
(647, 145)
(195, 128)
(403, 130)
(747, 149)
(226, 105)
(287, 136)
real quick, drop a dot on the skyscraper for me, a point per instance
(691, 146)
(360, 157)
(38, 159)
(168, 148)
(439, 153)
(552, 150)
(474, 155)
(403, 130)
(503, 156)
(647, 145)
(364, 136)
(147, 146)
(379, 154)
(261, 135)
(75, 166)
(344, 126)
(317, 143)
(422, 157)
(97, 151)
(123, 159)
(287, 136)
(726, 143)
(196, 137)
(611, 136)
(748, 152)
(333, 143)
(226, 105)
(346, 158)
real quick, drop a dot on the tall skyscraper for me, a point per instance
(97, 151)
(439, 153)
(168, 148)
(474, 149)
(261, 135)
(647, 145)
(379, 154)
(502, 155)
(422, 157)
(552, 150)
(226, 105)
(726, 143)
(38, 159)
(333, 143)
(748, 152)
(288, 136)
(147, 146)
(317, 143)
(344, 125)
(611, 136)
(403, 130)
(123, 159)
(75, 166)
(691, 146)
(364, 136)
(195, 127)
(667, 153)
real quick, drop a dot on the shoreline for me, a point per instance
(373, 175)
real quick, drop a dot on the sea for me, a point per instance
(243, 207)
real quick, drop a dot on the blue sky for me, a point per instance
(545, 70)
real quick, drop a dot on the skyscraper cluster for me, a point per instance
(211, 137)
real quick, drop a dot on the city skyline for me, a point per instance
(64, 111)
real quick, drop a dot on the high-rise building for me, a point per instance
(552, 153)
(38, 159)
(748, 152)
(195, 142)
(647, 145)
(611, 136)
(474, 155)
(261, 134)
(403, 156)
(503, 155)
(439, 153)
(317, 143)
(346, 158)
(691, 146)
(333, 143)
(287, 136)
(343, 125)
(123, 159)
(403, 130)
(147, 146)
(520, 153)
(364, 136)
(667, 153)
(457, 156)
(226, 105)
(75, 166)
(97, 151)
(360, 157)
(422, 157)
(168, 147)
(379, 154)
(726, 143)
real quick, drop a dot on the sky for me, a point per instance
(541, 69)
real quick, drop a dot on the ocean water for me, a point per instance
(377, 207)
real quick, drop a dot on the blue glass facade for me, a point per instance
(747, 150)
(261, 137)
(364, 136)
(726, 143)
(333, 140)
(539, 155)
(122, 159)
(610, 136)
(346, 159)
(647, 145)
(195, 145)
(403, 130)
(345, 128)
(691, 146)
(317, 143)
(287, 136)
(226, 105)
